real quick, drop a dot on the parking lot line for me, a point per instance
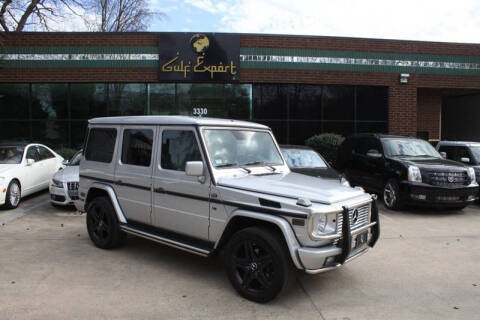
(21, 212)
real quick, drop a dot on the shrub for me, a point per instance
(327, 145)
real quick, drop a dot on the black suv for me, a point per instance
(406, 171)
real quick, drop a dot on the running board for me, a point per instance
(166, 241)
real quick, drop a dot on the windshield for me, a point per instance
(75, 161)
(409, 148)
(234, 148)
(476, 153)
(303, 158)
(11, 155)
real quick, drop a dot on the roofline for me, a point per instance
(254, 34)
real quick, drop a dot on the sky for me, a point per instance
(440, 20)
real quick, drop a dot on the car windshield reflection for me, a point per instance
(239, 148)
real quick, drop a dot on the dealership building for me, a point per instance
(52, 83)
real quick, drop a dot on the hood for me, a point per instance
(68, 174)
(325, 173)
(430, 163)
(6, 167)
(294, 185)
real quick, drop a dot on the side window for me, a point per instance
(360, 146)
(32, 153)
(462, 152)
(137, 147)
(179, 147)
(101, 144)
(44, 153)
(450, 151)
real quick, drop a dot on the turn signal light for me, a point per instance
(4, 190)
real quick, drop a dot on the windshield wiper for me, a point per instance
(253, 163)
(262, 163)
(234, 164)
(225, 165)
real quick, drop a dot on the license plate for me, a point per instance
(359, 240)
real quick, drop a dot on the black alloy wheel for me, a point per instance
(102, 224)
(258, 264)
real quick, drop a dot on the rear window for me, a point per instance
(101, 144)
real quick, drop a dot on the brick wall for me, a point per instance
(410, 110)
(429, 111)
(402, 110)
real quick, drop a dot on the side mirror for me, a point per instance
(465, 160)
(65, 162)
(194, 168)
(30, 162)
(373, 153)
(443, 154)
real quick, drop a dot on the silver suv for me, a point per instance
(210, 186)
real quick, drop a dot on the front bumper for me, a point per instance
(318, 260)
(417, 193)
(59, 196)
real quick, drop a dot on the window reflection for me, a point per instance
(49, 101)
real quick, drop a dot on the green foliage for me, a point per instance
(327, 145)
(66, 153)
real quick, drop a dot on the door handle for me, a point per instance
(159, 190)
(119, 182)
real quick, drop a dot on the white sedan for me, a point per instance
(25, 169)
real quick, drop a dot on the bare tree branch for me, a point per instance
(3, 9)
(122, 15)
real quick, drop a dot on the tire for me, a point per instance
(391, 195)
(13, 195)
(258, 264)
(102, 224)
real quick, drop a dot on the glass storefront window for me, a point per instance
(162, 99)
(14, 101)
(49, 101)
(15, 130)
(57, 113)
(202, 99)
(127, 99)
(238, 101)
(52, 133)
(371, 103)
(338, 102)
(88, 100)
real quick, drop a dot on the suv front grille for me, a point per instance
(72, 190)
(448, 178)
(362, 218)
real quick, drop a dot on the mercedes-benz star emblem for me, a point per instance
(355, 216)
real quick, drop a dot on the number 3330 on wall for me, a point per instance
(200, 112)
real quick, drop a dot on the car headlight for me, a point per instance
(57, 183)
(471, 174)
(320, 226)
(414, 174)
(344, 182)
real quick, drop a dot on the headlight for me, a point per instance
(56, 183)
(471, 174)
(414, 174)
(320, 226)
(344, 182)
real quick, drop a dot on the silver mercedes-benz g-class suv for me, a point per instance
(212, 185)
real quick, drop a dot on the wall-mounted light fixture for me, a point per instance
(404, 78)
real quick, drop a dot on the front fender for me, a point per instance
(113, 198)
(281, 223)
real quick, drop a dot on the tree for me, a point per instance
(16, 15)
(120, 15)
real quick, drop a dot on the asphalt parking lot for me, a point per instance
(425, 266)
